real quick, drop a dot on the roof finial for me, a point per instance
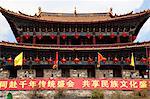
(75, 12)
(39, 8)
(110, 11)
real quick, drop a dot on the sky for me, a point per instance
(30, 7)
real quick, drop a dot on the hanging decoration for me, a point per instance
(37, 60)
(9, 60)
(101, 36)
(39, 36)
(124, 34)
(49, 60)
(24, 60)
(112, 35)
(64, 36)
(127, 60)
(143, 60)
(90, 60)
(115, 60)
(133, 37)
(88, 36)
(63, 60)
(52, 36)
(18, 39)
(76, 35)
(27, 36)
(76, 60)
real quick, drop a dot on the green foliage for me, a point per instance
(60, 92)
(97, 94)
(141, 93)
(9, 96)
(116, 95)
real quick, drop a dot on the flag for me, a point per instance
(18, 61)
(56, 61)
(100, 58)
(132, 61)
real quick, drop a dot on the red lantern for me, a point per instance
(63, 60)
(52, 36)
(143, 60)
(37, 60)
(27, 36)
(64, 36)
(127, 60)
(90, 60)
(49, 60)
(88, 36)
(124, 34)
(24, 60)
(133, 38)
(9, 60)
(76, 35)
(112, 35)
(18, 39)
(115, 60)
(39, 36)
(76, 60)
(100, 36)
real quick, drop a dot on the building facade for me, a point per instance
(77, 38)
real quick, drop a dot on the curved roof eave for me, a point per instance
(36, 18)
(78, 47)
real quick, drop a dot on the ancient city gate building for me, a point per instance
(76, 38)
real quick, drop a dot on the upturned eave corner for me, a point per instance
(1, 8)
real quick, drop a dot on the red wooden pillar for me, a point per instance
(94, 40)
(34, 39)
(34, 36)
(148, 55)
(118, 38)
(21, 39)
(58, 39)
(149, 62)
(130, 38)
(81, 41)
(147, 52)
(69, 41)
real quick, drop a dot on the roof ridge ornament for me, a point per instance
(75, 11)
(0, 8)
(110, 11)
(39, 10)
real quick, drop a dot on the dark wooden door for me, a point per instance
(117, 72)
(91, 72)
(39, 72)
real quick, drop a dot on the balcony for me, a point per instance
(72, 62)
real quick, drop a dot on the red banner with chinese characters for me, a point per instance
(74, 83)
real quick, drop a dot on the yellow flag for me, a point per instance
(18, 60)
(132, 61)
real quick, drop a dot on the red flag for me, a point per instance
(100, 58)
(56, 61)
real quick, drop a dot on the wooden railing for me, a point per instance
(79, 63)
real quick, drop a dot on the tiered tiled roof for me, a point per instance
(72, 17)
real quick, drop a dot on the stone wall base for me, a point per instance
(50, 94)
